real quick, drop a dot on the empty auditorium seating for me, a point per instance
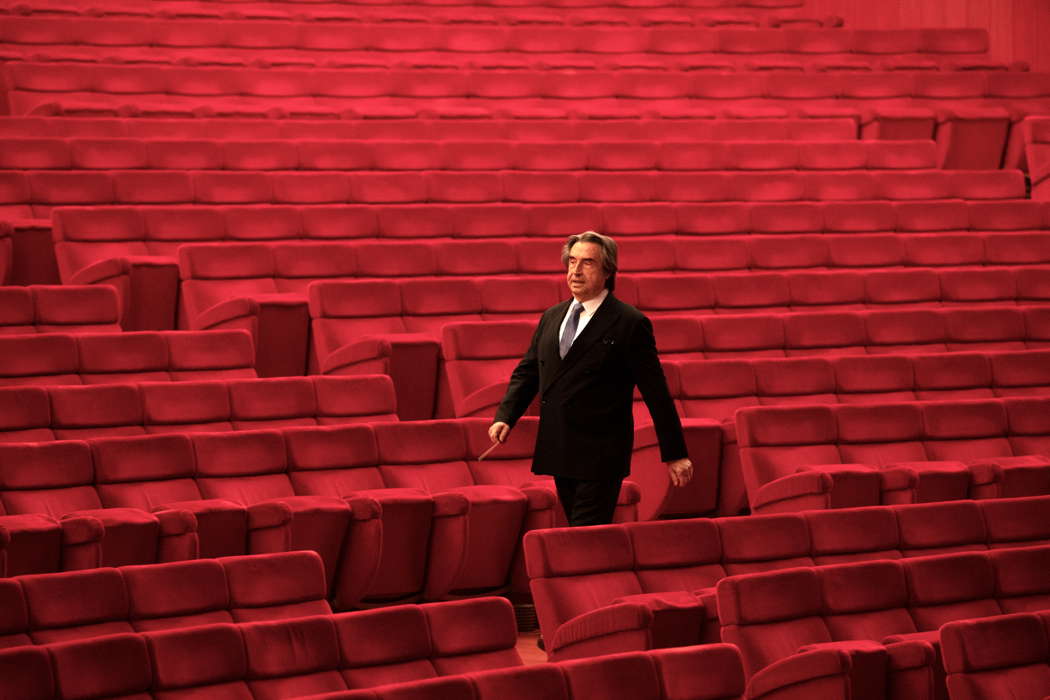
(994, 657)
(277, 658)
(643, 585)
(134, 248)
(38, 543)
(882, 613)
(105, 358)
(394, 326)
(37, 414)
(97, 90)
(971, 111)
(396, 510)
(262, 286)
(59, 607)
(711, 672)
(737, 129)
(852, 332)
(408, 155)
(33, 194)
(57, 479)
(232, 42)
(708, 13)
(837, 455)
(50, 309)
(713, 390)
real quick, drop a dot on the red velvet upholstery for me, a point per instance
(710, 672)
(279, 658)
(99, 358)
(1002, 656)
(32, 414)
(647, 585)
(61, 309)
(47, 608)
(836, 456)
(715, 389)
(395, 510)
(134, 248)
(57, 480)
(776, 617)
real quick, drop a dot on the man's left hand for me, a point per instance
(681, 471)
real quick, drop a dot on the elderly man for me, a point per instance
(586, 356)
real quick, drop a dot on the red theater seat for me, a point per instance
(56, 479)
(913, 599)
(460, 637)
(888, 452)
(997, 656)
(432, 457)
(105, 358)
(644, 585)
(278, 518)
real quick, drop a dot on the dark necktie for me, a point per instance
(569, 333)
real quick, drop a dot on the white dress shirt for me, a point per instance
(589, 308)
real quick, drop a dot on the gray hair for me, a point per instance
(607, 246)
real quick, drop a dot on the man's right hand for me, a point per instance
(499, 431)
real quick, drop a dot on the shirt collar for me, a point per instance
(591, 305)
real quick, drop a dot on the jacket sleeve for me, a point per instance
(524, 382)
(650, 379)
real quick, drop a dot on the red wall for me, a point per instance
(1019, 30)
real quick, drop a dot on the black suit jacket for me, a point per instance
(586, 426)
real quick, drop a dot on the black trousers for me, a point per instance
(588, 502)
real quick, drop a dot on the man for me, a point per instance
(585, 358)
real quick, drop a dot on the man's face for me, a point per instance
(585, 273)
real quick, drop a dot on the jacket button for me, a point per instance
(543, 402)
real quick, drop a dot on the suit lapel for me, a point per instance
(595, 329)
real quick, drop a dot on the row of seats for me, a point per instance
(503, 5)
(65, 606)
(537, 59)
(63, 309)
(597, 14)
(1000, 656)
(389, 37)
(43, 413)
(658, 154)
(830, 129)
(973, 130)
(125, 246)
(396, 510)
(31, 83)
(429, 60)
(794, 335)
(882, 615)
(273, 659)
(713, 390)
(105, 358)
(30, 194)
(366, 326)
(834, 456)
(710, 672)
(152, 225)
(265, 287)
(586, 582)
(298, 657)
